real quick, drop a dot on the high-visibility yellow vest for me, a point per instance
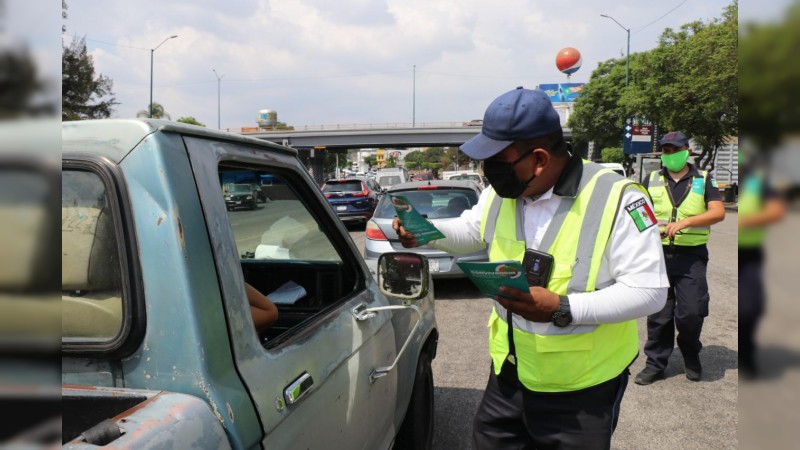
(693, 205)
(549, 358)
(751, 202)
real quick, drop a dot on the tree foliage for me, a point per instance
(768, 86)
(687, 83)
(191, 121)
(598, 116)
(19, 84)
(612, 155)
(158, 112)
(83, 96)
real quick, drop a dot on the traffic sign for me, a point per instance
(639, 138)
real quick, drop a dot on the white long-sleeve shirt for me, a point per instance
(632, 280)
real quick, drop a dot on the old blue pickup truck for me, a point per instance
(159, 347)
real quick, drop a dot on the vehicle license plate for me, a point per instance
(238, 203)
(341, 208)
(433, 265)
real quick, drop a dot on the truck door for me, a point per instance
(309, 373)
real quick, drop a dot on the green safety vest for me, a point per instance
(751, 202)
(549, 358)
(693, 205)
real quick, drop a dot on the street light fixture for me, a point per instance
(152, 50)
(628, 54)
(219, 78)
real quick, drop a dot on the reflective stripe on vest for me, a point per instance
(549, 358)
(751, 202)
(693, 205)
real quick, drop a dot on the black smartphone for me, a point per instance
(538, 267)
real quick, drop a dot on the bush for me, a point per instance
(612, 155)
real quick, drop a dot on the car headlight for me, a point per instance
(249, 197)
(227, 197)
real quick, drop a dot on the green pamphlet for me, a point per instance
(413, 221)
(489, 276)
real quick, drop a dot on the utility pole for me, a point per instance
(219, 78)
(153, 50)
(414, 100)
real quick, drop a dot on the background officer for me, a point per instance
(687, 202)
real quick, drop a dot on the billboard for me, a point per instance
(562, 92)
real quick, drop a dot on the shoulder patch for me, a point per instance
(714, 183)
(642, 214)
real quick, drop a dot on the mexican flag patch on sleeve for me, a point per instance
(641, 214)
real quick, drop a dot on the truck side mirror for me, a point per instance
(403, 275)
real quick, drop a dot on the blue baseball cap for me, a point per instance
(517, 115)
(675, 138)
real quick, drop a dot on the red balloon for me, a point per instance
(569, 60)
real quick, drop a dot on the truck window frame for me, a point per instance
(241, 155)
(134, 319)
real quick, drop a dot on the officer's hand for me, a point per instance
(406, 238)
(537, 304)
(673, 228)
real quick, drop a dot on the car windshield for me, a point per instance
(239, 189)
(343, 186)
(434, 204)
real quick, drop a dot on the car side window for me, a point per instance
(284, 252)
(92, 294)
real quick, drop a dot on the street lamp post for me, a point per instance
(628, 53)
(153, 50)
(219, 78)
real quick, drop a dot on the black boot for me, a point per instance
(691, 364)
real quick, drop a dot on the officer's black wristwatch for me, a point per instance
(563, 316)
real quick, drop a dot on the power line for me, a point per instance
(107, 43)
(665, 15)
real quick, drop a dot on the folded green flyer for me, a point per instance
(413, 221)
(489, 276)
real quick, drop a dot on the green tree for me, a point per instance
(158, 112)
(415, 159)
(19, 84)
(191, 121)
(371, 160)
(690, 83)
(598, 115)
(768, 87)
(83, 96)
(612, 155)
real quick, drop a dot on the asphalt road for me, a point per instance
(674, 413)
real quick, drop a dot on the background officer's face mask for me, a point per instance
(675, 161)
(502, 178)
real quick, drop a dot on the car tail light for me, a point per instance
(427, 187)
(327, 195)
(363, 193)
(374, 232)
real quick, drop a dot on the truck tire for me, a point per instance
(416, 432)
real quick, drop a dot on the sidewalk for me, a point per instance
(732, 206)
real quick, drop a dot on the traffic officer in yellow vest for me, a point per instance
(687, 202)
(560, 352)
(760, 206)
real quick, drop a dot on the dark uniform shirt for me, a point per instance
(679, 190)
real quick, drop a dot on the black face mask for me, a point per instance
(502, 178)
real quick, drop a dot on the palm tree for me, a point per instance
(158, 112)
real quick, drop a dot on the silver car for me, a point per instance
(435, 199)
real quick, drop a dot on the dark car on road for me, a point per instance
(436, 200)
(354, 199)
(241, 196)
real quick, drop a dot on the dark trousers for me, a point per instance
(512, 417)
(685, 310)
(751, 304)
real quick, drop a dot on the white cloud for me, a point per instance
(350, 61)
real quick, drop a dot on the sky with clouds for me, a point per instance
(318, 62)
